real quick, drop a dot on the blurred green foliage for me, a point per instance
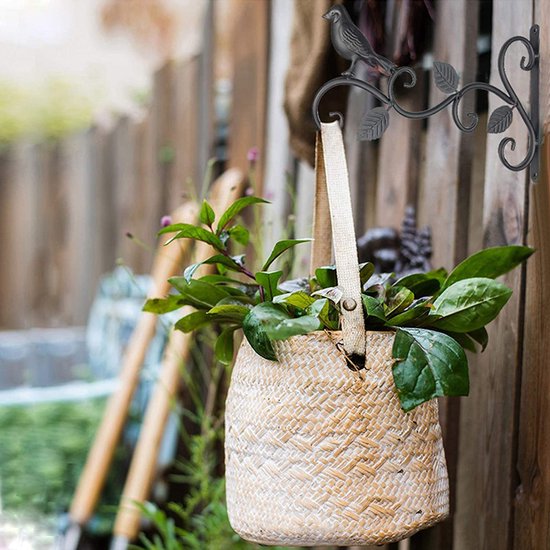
(49, 111)
(42, 450)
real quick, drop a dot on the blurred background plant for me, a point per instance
(49, 111)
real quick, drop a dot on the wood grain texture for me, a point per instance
(444, 187)
(19, 235)
(278, 158)
(163, 129)
(126, 196)
(82, 260)
(532, 496)
(250, 51)
(53, 215)
(484, 518)
(193, 125)
(443, 200)
(362, 158)
(398, 177)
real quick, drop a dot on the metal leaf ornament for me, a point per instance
(500, 120)
(446, 78)
(373, 124)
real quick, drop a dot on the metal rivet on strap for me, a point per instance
(349, 304)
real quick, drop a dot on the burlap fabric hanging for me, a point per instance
(317, 453)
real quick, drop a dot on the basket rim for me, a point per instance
(333, 333)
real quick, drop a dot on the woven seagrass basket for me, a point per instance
(319, 454)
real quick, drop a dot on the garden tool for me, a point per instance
(143, 467)
(168, 262)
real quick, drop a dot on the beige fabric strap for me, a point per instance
(321, 248)
(343, 236)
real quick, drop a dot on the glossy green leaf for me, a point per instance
(480, 336)
(366, 271)
(279, 248)
(427, 364)
(224, 347)
(269, 280)
(240, 234)
(325, 312)
(206, 214)
(374, 307)
(199, 293)
(164, 305)
(469, 304)
(255, 323)
(217, 279)
(423, 284)
(293, 327)
(229, 313)
(398, 299)
(188, 231)
(239, 292)
(464, 340)
(193, 321)
(298, 299)
(235, 209)
(220, 259)
(489, 263)
(412, 315)
(326, 276)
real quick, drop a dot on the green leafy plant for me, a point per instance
(435, 315)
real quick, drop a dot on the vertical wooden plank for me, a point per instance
(250, 44)
(399, 160)
(444, 186)
(79, 276)
(362, 158)
(19, 235)
(305, 193)
(484, 518)
(443, 200)
(278, 158)
(188, 166)
(146, 172)
(53, 218)
(126, 197)
(477, 191)
(162, 113)
(100, 167)
(532, 496)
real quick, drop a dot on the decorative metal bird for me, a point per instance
(352, 44)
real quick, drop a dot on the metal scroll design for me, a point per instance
(375, 121)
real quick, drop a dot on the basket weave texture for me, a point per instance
(317, 453)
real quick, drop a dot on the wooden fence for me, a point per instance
(65, 209)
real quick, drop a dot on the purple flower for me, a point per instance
(253, 155)
(165, 221)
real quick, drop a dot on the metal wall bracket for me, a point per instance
(353, 45)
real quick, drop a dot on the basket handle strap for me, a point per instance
(321, 247)
(343, 234)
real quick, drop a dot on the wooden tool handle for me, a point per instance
(168, 262)
(142, 470)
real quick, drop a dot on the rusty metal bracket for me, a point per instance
(446, 78)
